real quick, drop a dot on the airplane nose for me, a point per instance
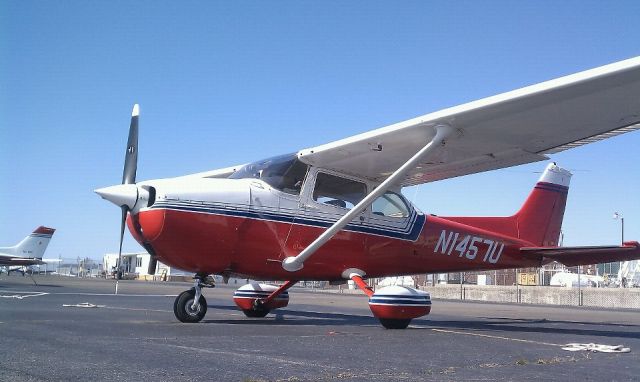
(121, 194)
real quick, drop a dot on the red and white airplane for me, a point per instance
(29, 251)
(336, 212)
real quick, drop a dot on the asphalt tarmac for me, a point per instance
(134, 336)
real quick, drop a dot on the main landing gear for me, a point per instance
(190, 306)
(257, 300)
(395, 306)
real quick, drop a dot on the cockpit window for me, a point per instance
(338, 192)
(391, 205)
(285, 173)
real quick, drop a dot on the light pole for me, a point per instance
(618, 216)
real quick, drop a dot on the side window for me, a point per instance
(339, 192)
(390, 205)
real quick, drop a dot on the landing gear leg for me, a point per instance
(32, 279)
(190, 306)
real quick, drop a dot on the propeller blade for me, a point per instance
(131, 155)
(153, 263)
(125, 209)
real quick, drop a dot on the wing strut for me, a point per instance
(295, 263)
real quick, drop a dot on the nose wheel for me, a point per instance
(190, 306)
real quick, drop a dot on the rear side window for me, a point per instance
(391, 205)
(339, 192)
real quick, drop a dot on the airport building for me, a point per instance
(136, 266)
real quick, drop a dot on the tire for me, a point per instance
(182, 307)
(390, 323)
(255, 313)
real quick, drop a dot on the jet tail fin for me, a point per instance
(540, 218)
(34, 245)
(572, 256)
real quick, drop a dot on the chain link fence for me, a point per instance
(527, 289)
(593, 297)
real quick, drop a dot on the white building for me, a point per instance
(138, 264)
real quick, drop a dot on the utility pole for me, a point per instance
(619, 216)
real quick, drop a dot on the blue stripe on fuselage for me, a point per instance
(416, 221)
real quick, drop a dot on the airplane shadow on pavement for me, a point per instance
(295, 317)
(486, 324)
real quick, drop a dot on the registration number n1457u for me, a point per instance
(469, 246)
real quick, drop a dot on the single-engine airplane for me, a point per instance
(336, 212)
(29, 251)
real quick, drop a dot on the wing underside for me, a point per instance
(509, 129)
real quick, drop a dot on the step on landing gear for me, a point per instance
(190, 306)
(395, 306)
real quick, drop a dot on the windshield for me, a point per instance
(285, 172)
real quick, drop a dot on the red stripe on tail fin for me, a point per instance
(44, 230)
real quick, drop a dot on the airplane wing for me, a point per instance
(508, 129)
(19, 261)
(572, 256)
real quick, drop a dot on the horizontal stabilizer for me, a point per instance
(572, 256)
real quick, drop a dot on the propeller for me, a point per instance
(127, 194)
(129, 170)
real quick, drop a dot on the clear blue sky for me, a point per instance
(223, 83)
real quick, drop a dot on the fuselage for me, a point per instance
(247, 226)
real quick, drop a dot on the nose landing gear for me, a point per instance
(190, 306)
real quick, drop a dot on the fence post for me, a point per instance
(517, 288)
(579, 287)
